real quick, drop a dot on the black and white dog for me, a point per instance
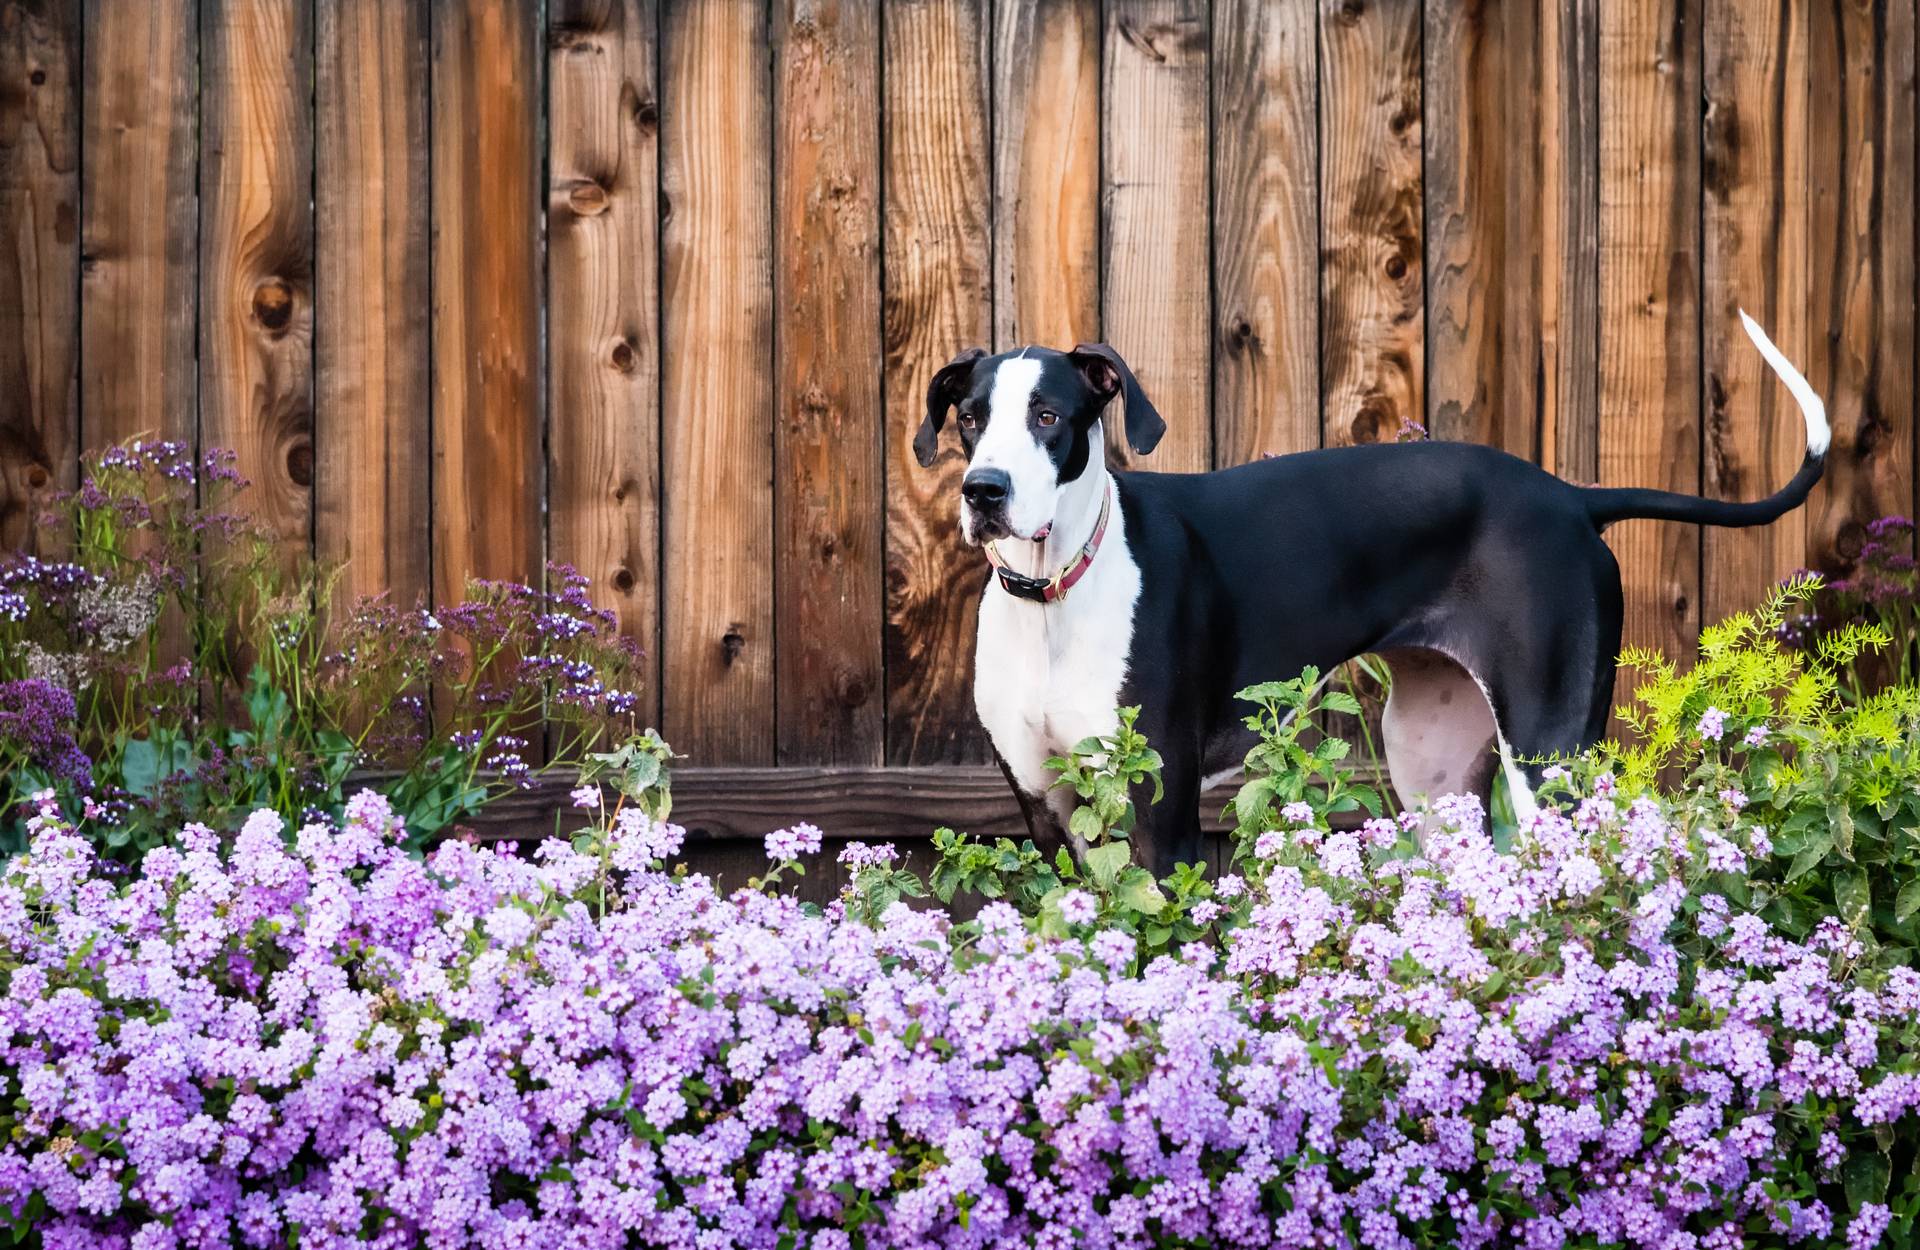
(1480, 577)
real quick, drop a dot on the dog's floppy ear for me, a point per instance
(942, 394)
(1108, 375)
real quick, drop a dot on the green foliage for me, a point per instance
(1282, 768)
(1833, 781)
(638, 771)
(211, 673)
(1103, 772)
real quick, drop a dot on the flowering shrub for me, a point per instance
(330, 1042)
(173, 665)
(1769, 731)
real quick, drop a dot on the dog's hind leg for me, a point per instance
(1438, 728)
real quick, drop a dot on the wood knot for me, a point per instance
(646, 113)
(828, 546)
(38, 78)
(1351, 11)
(1375, 422)
(300, 463)
(587, 198)
(1851, 538)
(1396, 266)
(623, 580)
(852, 689)
(732, 643)
(623, 357)
(1143, 41)
(814, 402)
(37, 477)
(273, 306)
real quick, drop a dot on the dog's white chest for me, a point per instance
(1045, 677)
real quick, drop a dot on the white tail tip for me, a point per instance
(1819, 434)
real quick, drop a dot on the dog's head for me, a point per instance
(1030, 423)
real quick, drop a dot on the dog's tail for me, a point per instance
(1607, 505)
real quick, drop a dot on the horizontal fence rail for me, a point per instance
(655, 289)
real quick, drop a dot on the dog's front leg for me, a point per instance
(1043, 826)
(1168, 832)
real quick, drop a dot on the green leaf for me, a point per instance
(140, 766)
(1140, 892)
(1104, 864)
(1853, 896)
(1907, 901)
(1340, 701)
(1810, 855)
(1840, 824)
(1865, 1175)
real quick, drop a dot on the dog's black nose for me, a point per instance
(986, 488)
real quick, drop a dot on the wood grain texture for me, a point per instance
(1372, 318)
(1561, 196)
(829, 545)
(372, 294)
(1649, 390)
(1861, 283)
(879, 804)
(1046, 173)
(603, 297)
(1512, 210)
(1755, 252)
(39, 257)
(1156, 296)
(1474, 146)
(139, 228)
(938, 301)
(717, 394)
(1266, 245)
(256, 255)
(487, 385)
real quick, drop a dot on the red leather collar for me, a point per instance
(1055, 588)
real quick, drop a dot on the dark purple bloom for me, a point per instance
(37, 718)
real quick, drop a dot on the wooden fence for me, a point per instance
(655, 289)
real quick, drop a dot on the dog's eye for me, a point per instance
(968, 421)
(1047, 418)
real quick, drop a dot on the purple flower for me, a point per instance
(1713, 723)
(785, 844)
(36, 719)
(1079, 907)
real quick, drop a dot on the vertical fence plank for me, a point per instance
(1266, 244)
(1046, 173)
(828, 456)
(487, 463)
(1649, 292)
(139, 221)
(718, 393)
(937, 302)
(372, 294)
(1474, 145)
(1861, 70)
(1157, 291)
(1372, 325)
(256, 259)
(1563, 191)
(39, 256)
(1754, 240)
(603, 301)
(1511, 208)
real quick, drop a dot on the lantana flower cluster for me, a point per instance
(317, 1039)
